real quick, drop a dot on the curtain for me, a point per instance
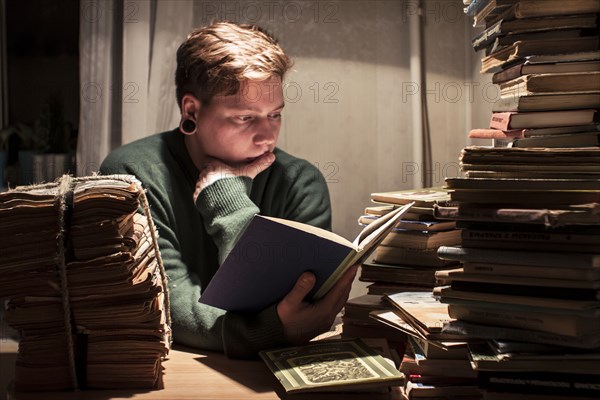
(127, 70)
(3, 76)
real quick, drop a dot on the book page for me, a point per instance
(375, 231)
(324, 233)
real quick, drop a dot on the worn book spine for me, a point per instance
(482, 331)
(540, 382)
(507, 74)
(510, 55)
(533, 271)
(525, 245)
(526, 198)
(544, 102)
(515, 215)
(448, 295)
(564, 140)
(559, 324)
(544, 8)
(420, 241)
(548, 259)
(529, 236)
(536, 287)
(480, 41)
(552, 83)
(420, 276)
(406, 256)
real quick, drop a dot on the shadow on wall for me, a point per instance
(353, 30)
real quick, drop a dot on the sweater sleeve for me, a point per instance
(226, 209)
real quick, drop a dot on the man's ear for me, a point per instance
(189, 107)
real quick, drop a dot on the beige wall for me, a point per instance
(348, 105)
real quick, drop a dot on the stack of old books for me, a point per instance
(544, 57)
(357, 321)
(435, 363)
(86, 287)
(529, 282)
(529, 209)
(406, 260)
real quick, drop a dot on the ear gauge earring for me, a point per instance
(187, 126)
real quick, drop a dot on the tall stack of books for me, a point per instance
(529, 283)
(544, 57)
(85, 285)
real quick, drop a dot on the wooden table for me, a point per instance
(189, 374)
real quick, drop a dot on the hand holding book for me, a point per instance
(302, 320)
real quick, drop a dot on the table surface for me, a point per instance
(188, 374)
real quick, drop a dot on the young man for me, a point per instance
(208, 178)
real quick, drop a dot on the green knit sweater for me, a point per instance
(193, 237)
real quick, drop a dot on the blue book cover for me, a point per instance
(272, 253)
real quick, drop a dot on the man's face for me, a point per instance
(237, 129)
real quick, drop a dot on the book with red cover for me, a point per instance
(495, 134)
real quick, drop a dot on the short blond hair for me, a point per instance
(215, 59)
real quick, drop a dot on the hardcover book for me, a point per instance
(421, 310)
(449, 295)
(502, 256)
(566, 384)
(272, 253)
(533, 271)
(555, 323)
(520, 101)
(529, 67)
(419, 224)
(331, 366)
(475, 330)
(542, 8)
(506, 27)
(483, 358)
(587, 139)
(522, 184)
(585, 214)
(401, 274)
(542, 119)
(552, 83)
(510, 55)
(425, 197)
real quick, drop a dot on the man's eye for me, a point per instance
(244, 118)
(275, 116)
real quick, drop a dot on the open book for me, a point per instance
(272, 253)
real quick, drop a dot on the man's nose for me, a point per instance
(266, 133)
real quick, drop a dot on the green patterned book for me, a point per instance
(334, 365)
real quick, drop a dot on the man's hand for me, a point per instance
(303, 321)
(215, 169)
